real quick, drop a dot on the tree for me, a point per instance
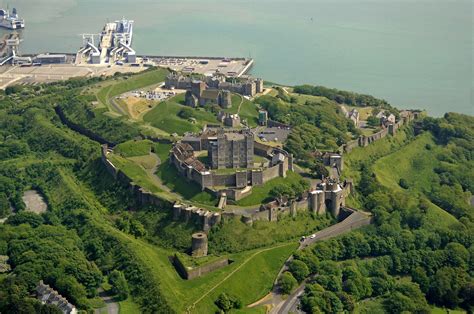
(137, 229)
(373, 121)
(457, 255)
(299, 270)
(318, 170)
(287, 282)
(446, 286)
(227, 302)
(347, 301)
(281, 191)
(119, 285)
(25, 217)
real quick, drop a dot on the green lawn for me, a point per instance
(128, 307)
(249, 111)
(165, 117)
(370, 306)
(236, 99)
(415, 164)
(371, 153)
(261, 194)
(134, 148)
(141, 80)
(136, 172)
(189, 190)
(252, 281)
(162, 150)
(236, 236)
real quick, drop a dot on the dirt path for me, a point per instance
(111, 306)
(241, 102)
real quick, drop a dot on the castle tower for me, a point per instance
(316, 202)
(199, 244)
(336, 198)
(197, 87)
(225, 99)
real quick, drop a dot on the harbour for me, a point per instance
(381, 49)
(102, 54)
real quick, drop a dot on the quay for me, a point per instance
(63, 67)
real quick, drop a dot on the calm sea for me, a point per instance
(415, 54)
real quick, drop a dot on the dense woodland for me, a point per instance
(316, 125)
(342, 97)
(403, 260)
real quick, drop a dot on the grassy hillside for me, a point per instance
(165, 116)
(126, 84)
(415, 164)
(261, 194)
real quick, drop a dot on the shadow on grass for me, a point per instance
(189, 190)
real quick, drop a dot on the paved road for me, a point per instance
(111, 306)
(280, 305)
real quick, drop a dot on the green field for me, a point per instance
(252, 280)
(261, 194)
(189, 190)
(128, 306)
(249, 112)
(141, 80)
(372, 152)
(164, 116)
(139, 175)
(414, 163)
(134, 148)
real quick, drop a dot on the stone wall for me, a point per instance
(391, 129)
(191, 273)
(204, 218)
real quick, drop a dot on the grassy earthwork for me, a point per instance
(261, 194)
(165, 116)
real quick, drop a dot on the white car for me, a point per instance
(312, 236)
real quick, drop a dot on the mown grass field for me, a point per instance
(415, 164)
(251, 281)
(165, 116)
(261, 194)
(141, 80)
(134, 148)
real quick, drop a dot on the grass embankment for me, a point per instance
(415, 164)
(128, 307)
(135, 160)
(261, 194)
(189, 190)
(371, 153)
(262, 264)
(114, 88)
(251, 280)
(165, 116)
(236, 236)
(134, 148)
(249, 112)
